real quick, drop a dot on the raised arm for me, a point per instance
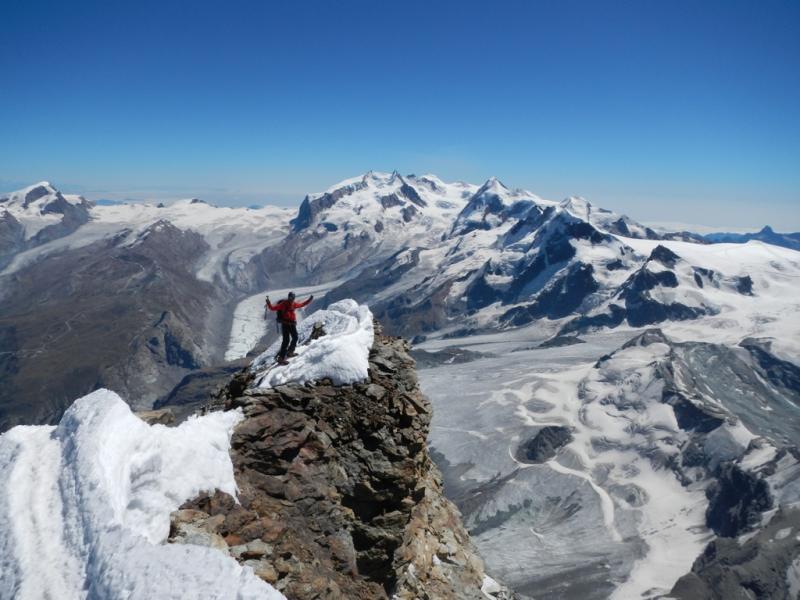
(270, 305)
(302, 304)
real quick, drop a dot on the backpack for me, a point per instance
(281, 311)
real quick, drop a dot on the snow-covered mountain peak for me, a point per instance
(437, 184)
(492, 186)
(186, 204)
(53, 222)
(371, 216)
(374, 200)
(609, 221)
(40, 207)
(578, 206)
(376, 179)
(37, 198)
(38, 190)
(603, 218)
(492, 205)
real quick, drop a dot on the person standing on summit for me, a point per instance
(288, 320)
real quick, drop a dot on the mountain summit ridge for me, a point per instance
(337, 492)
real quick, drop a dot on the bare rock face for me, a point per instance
(339, 497)
(545, 444)
(760, 567)
(736, 500)
(163, 416)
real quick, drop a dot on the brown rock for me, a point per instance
(339, 497)
(163, 416)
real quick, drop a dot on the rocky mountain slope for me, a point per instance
(128, 316)
(134, 297)
(316, 490)
(338, 495)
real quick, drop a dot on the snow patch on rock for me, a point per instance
(341, 355)
(85, 506)
(250, 324)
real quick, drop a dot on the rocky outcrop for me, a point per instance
(560, 298)
(339, 497)
(736, 501)
(561, 340)
(545, 444)
(163, 416)
(446, 356)
(780, 373)
(763, 566)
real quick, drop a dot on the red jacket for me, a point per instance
(286, 309)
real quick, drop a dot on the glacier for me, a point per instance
(621, 510)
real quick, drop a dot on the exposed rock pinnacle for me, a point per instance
(339, 497)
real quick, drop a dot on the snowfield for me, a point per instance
(341, 355)
(85, 505)
(773, 311)
(234, 235)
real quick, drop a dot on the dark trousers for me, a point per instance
(289, 332)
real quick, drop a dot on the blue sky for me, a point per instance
(679, 111)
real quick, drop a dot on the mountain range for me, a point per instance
(766, 234)
(156, 288)
(615, 408)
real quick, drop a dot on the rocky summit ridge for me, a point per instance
(338, 495)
